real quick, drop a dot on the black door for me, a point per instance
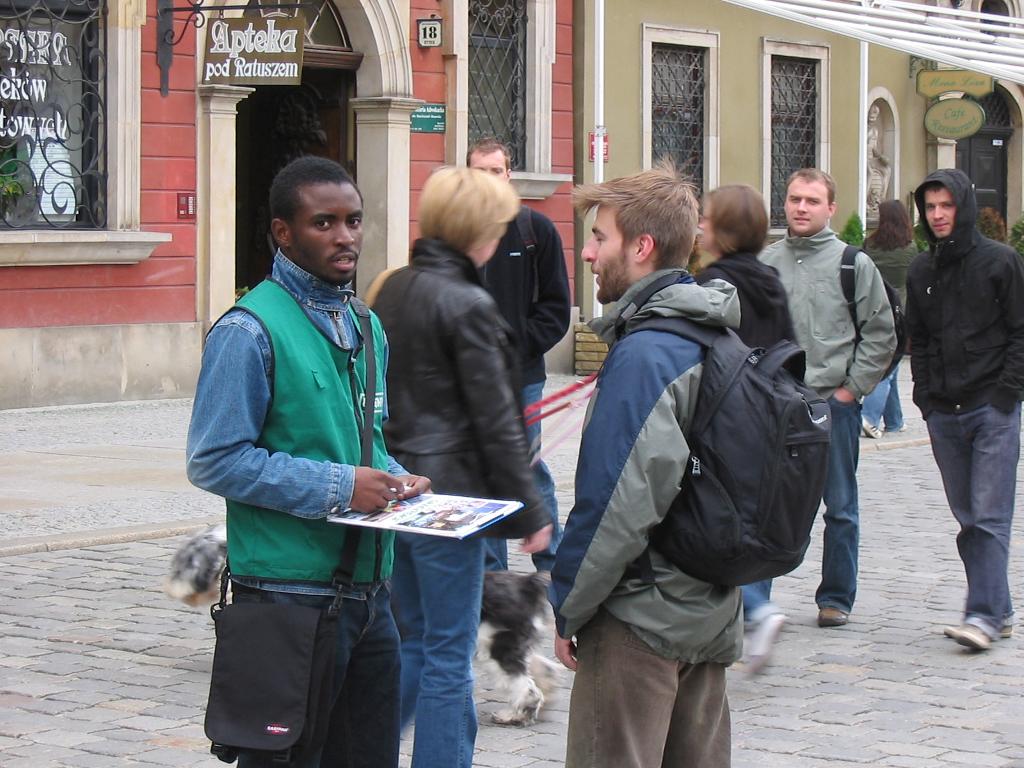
(277, 124)
(983, 158)
(983, 155)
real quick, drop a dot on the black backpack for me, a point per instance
(847, 277)
(759, 446)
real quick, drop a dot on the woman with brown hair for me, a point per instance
(892, 248)
(734, 227)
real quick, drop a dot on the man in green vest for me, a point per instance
(276, 430)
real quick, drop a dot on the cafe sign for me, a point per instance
(250, 51)
(954, 118)
(933, 83)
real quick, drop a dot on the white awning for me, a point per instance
(981, 42)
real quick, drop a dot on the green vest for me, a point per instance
(314, 414)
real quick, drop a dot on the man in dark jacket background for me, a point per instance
(528, 280)
(965, 311)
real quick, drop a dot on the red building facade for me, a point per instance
(109, 298)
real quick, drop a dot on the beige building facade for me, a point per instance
(738, 96)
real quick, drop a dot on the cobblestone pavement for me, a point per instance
(98, 668)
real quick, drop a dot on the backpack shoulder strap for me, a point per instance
(640, 299)
(524, 223)
(848, 280)
(730, 355)
(699, 334)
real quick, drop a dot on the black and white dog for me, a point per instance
(512, 621)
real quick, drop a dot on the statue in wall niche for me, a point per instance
(879, 170)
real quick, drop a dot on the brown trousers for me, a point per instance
(631, 708)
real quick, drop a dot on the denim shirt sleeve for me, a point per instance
(231, 403)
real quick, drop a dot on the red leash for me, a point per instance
(534, 413)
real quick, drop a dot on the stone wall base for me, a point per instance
(98, 363)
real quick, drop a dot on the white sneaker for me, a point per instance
(762, 638)
(870, 431)
(969, 636)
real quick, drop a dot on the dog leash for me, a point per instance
(575, 396)
(534, 413)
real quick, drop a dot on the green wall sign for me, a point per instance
(428, 119)
(954, 118)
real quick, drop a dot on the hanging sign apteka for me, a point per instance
(248, 51)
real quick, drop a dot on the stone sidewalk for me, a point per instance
(99, 668)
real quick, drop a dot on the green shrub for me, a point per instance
(920, 239)
(991, 224)
(853, 232)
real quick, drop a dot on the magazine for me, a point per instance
(433, 514)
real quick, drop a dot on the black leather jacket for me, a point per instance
(454, 411)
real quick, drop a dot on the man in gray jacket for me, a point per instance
(842, 365)
(649, 648)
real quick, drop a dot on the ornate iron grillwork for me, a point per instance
(997, 111)
(678, 85)
(794, 125)
(52, 108)
(497, 73)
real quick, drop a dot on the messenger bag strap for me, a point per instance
(345, 572)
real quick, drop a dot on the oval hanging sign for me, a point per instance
(954, 118)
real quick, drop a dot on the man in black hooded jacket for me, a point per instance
(965, 312)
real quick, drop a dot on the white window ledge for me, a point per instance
(538, 186)
(48, 247)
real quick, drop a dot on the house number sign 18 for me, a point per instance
(429, 32)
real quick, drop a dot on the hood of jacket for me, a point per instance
(961, 239)
(747, 273)
(715, 303)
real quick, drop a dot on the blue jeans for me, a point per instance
(438, 586)
(977, 453)
(497, 549)
(838, 587)
(883, 404)
(364, 730)
(757, 602)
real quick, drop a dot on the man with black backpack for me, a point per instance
(846, 358)
(528, 280)
(649, 642)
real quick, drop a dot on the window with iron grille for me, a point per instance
(52, 107)
(794, 128)
(678, 90)
(497, 74)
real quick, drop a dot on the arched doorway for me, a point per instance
(983, 156)
(276, 124)
(379, 141)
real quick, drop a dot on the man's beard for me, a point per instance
(614, 282)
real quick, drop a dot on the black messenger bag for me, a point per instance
(270, 690)
(273, 665)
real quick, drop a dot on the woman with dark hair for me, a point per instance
(734, 227)
(892, 248)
